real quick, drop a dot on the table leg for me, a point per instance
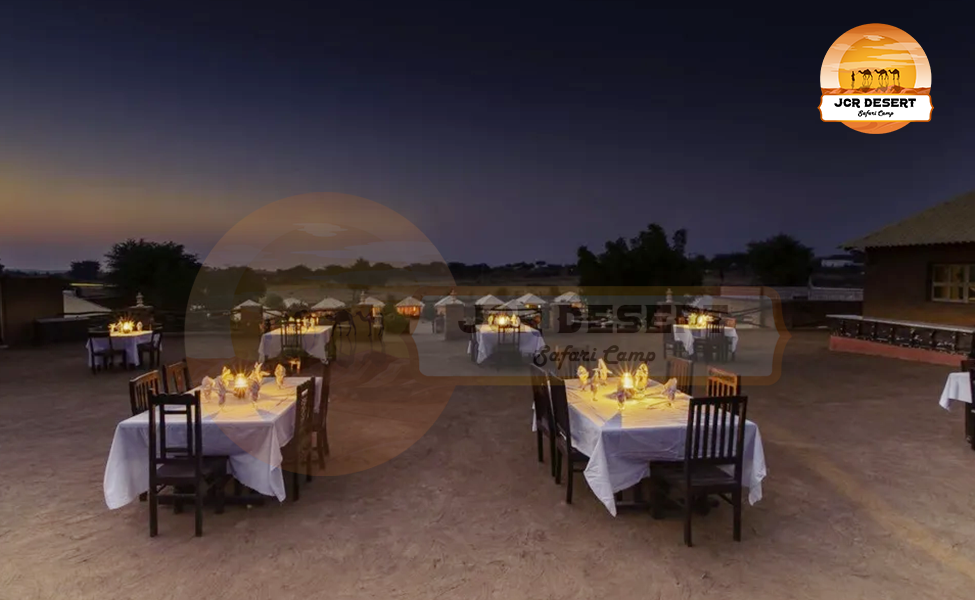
(969, 424)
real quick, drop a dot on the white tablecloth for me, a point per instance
(620, 445)
(251, 436)
(530, 342)
(122, 341)
(686, 336)
(957, 389)
(313, 340)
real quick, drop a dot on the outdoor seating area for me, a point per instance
(833, 498)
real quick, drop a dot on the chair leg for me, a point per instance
(295, 484)
(199, 508)
(688, 511)
(551, 452)
(308, 465)
(153, 514)
(736, 499)
(558, 466)
(656, 498)
(143, 496)
(538, 436)
(221, 494)
(320, 439)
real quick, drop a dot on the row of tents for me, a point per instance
(529, 301)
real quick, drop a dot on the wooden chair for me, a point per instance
(176, 378)
(152, 349)
(544, 423)
(299, 449)
(320, 425)
(671, 343)
(105, 355)
(715, 345)
(181, 467)
(508, 351)
(142, 388)
(723, 383)
(682, 370)
(576, 460)
(715, 439)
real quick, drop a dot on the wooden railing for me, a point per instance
(950, 339)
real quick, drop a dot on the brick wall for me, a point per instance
(897, 284)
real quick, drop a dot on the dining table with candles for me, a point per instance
(126, 335)
(687, 335)
(622, 436)
(250, 432)
(314, 341)
(488, 336)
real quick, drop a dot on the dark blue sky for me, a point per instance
(582, 122)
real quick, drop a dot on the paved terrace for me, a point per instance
(870, 494)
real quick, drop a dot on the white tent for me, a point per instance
(373, 302)
(292, 302)
(488, 300)
(247, 303)
(703, 302)
(411, 301)
(568, 298)
(74, 306)
(451, 299)
(328, 303)
(531, 299)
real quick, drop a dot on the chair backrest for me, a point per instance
(540, 396)
(715, 330)
(509, 336)
(141, 388)
(723, 383)
(176, 378)
(969, 366)
(291, 335)
(186, 406)
(682, 370)
(715, 433)
(730, 322)
(156, 339)
(304, 414)
(560, 408)
(99, 334)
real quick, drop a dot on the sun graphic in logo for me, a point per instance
(885, 65)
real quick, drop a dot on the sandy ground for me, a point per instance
(869, 495)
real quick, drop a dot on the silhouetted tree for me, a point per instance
(86, 270)
(781, 260)
(648, 259)
(163, 272)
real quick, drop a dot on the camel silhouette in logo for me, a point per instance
(895, 75)
(867, 76)
(881, 76)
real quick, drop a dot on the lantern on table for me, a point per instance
(240, 385)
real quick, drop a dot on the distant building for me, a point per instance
(919, 287)
(839, 261)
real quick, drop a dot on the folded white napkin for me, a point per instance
(583, 375)
(221, 388)
(602, 371)
(226, 376)
(255, 389)
(670, 389)
(206, 386)
(279, 374)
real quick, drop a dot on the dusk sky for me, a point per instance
(575, 123)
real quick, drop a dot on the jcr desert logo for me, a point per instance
(875, 79)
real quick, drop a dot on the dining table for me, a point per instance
(687, 335)
(250, 433)
(314, 341)
(530, 341)
(121, 341)
(620, 443)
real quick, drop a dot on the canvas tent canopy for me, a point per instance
(411, 301)
(328, 303)
(488, 300)
(75, 307)
(568, 298)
